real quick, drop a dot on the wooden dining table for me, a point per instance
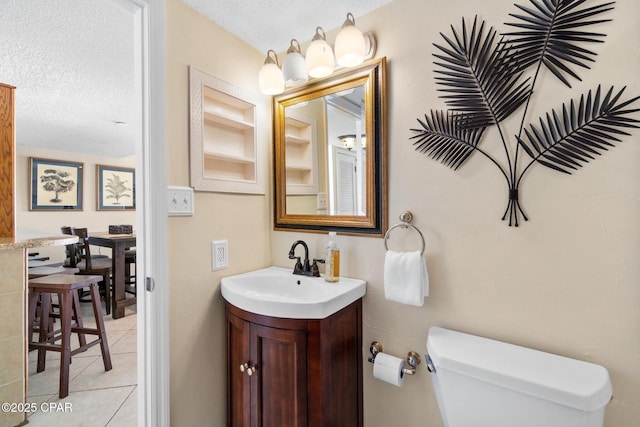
(118, 244)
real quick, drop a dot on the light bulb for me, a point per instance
(350, 44)
(270, 78)
(294, 67)
(320, 60)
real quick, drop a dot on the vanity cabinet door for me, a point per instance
(238, 382)
(266, 375)
(279, 386)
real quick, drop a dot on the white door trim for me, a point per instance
(151, 214)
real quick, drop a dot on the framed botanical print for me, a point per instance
(55, 185)
(116, 188)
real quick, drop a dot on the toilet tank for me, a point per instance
(481, 382)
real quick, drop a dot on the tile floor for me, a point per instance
(96, 398)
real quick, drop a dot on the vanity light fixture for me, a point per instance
(270, 78)
(350, 44)
(347, 141)
(294, 67)
(352, 48)
(320, 60)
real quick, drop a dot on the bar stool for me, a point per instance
(76, 315)
(92, 265)
(65, 286)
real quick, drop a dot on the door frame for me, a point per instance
(151, 214)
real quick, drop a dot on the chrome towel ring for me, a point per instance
(405, 222)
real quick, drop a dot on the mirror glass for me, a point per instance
(329, 153)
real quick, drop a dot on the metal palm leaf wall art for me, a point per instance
(484, 79)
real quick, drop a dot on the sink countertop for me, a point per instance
(28, 240)
(277, 292)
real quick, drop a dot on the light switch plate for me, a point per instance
(180, 201)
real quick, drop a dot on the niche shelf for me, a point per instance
(226, 155)
(301, 153)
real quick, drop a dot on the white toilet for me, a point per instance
(486, 383)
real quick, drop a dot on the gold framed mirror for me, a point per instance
(330, 153)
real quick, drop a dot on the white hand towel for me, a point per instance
(405, 277)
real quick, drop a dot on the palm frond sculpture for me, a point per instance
(484, 80)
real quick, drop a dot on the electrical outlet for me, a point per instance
(180, 201)
(321, 202)
(219, 255)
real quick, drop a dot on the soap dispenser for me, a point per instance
(332, 259)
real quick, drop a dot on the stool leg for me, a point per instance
(65, 355)
(38, 310)
(45, 322)
(77, 316)
(97, 312)
(52, 320)
(33, 308)
(107, 292)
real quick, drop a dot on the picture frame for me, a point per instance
(55, 185)
(116, 188)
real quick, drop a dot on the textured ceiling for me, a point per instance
(72, 61)
(72, 64)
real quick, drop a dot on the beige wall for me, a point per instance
(565, 282)
(197, 359)
(49, 222)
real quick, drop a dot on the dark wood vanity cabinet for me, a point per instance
(294, 372)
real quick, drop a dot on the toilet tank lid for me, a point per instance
(559, 379)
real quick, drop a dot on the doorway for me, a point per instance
(152, 307)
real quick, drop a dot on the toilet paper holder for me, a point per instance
(413, 358)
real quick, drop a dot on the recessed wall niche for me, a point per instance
(226, 155)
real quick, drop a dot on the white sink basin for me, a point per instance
(277, 292)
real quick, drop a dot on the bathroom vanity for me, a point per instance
(294, 349)
(294, 372)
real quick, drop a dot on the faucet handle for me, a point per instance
(314, 267)
(297, 269)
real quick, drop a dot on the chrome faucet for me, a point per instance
(303, 267)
